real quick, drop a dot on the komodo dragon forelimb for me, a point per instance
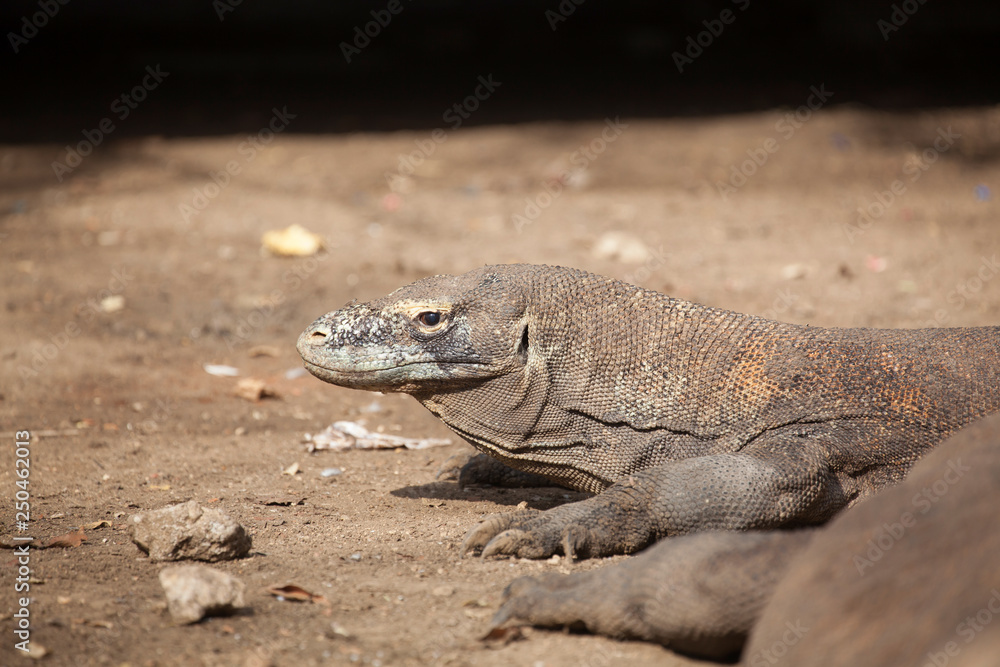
(758, 488)
(682, 417)
(908, 577)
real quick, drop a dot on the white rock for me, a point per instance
(196, 591)
(621, 246)
(189, 531)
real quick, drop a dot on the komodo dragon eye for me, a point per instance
(430, 320)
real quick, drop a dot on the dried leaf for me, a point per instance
(281, 501)
(295, 593)
(475, 603)
(10, 542)
(97, 524)
(74, 539)
(503, 636)
(293, 241)
(264, 351)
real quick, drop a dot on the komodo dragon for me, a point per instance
(681, 417)
(906, 578)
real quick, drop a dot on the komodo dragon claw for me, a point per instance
(482, 535)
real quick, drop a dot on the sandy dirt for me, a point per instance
(115, 296)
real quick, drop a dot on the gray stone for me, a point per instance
(189, 531)
(196, 591)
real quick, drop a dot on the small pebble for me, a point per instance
(331, 472)
(794, 271)
(221, 370)
(392, 202)
(839, 141)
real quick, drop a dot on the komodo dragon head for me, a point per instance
(440, 332)
(503, 355)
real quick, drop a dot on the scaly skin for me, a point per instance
(682, 417)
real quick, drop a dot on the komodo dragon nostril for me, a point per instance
(319, 336)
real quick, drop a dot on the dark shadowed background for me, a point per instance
(230, 62)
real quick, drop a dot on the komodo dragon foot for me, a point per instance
(617, 521)
(471, 469)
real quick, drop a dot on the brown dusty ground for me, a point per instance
(126, 419)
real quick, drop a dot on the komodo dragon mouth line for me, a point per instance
(364, 371)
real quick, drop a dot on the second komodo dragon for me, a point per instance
(681, 417)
